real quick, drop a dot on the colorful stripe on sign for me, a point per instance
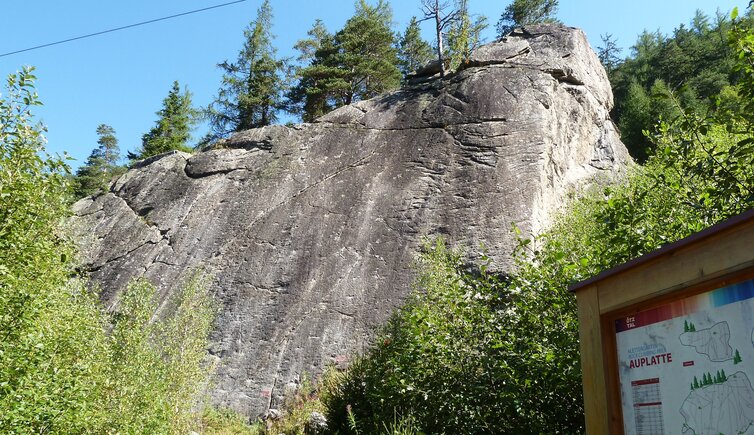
(705, 301)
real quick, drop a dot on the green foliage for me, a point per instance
(48, 324)
(226, 422)
(696, 63)
(172, 130)
(608, 53)
(101, 166)
(252, 86)
(60, 370)
(471, 352)
(156, 368)
(464, 35)
(358, 62)
(414, 52)
(319, 78)
(523, 12)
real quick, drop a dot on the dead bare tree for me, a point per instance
(438, 11)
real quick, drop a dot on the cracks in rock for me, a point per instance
(161, 262)
(564, 76)
(328, 210)
(127, 254)
(212, 172)
(358, 163)
(432, 126)
(342, 313)
(283, 348)
(512, 94)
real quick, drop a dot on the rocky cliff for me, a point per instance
(310, 231)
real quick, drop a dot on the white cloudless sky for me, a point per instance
(121, 78)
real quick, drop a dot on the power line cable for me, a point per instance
(122, 28)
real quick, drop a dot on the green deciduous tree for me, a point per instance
(524, 12)
(101, 165)
(414, 52)
(172, 130)
(464, 34)
(251, 92)
(157, 369)
(48, 325)
(65, 365)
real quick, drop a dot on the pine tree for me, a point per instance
(524, 12)
(414, 52)
(251, 91)
(608, 53)
(696, 383)
(358, 62)
(737, 358)
(685, 326)
(101, 165)
(172, 130)
(319, 77)
(368, 52)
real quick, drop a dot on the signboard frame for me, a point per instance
(719, 256)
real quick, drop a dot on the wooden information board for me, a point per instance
(667, 340)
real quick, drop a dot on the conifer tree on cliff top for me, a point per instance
(367, 46)
(172, 130)
(415, 52)
(101, 165)
(251, 91)
(358, 62)
(523, 12)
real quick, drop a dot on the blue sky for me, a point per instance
(121, 78)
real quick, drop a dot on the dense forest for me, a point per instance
(472, 351)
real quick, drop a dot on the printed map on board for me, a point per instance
(686, 367)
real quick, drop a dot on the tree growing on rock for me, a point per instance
(442, 16)
(368, 53)
(414, 52)
(358, 62)
(608, 53)
(318, 76)
(251, 92)
(464, 34)
(172, 130)
(523, 12)
(101, 165)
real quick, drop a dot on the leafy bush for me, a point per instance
(155, 370)
(49, 325)
(468, 353)
(60, 369)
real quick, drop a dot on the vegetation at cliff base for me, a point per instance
(67, 365)
(474, 352)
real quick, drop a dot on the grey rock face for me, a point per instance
(310, 231)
